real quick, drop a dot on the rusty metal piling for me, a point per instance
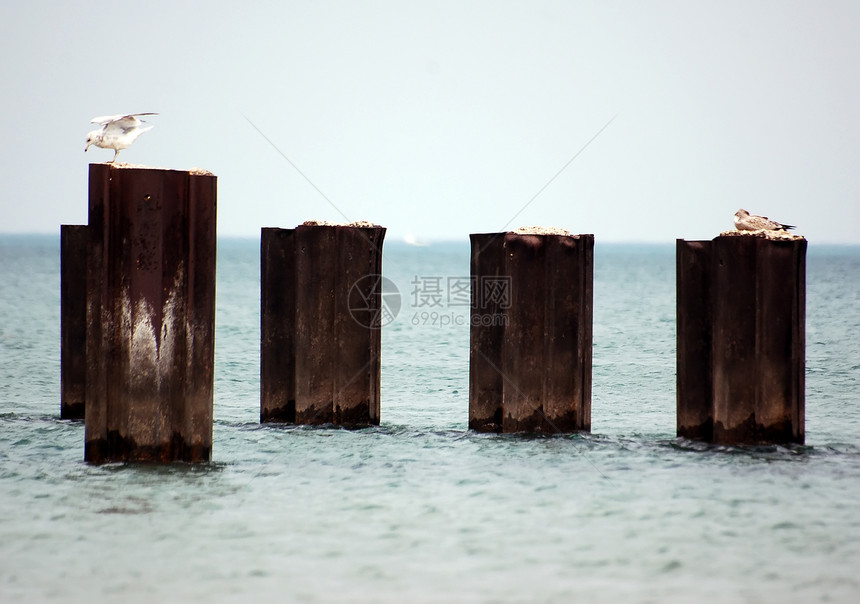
(73, 320)
(320, 324)
(150, 308)
(741, 339)
(531, 332)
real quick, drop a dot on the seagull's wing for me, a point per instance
(761, 222)
(778, 225)
(124, 124)
(106, 119)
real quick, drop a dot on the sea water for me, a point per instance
(421, 509)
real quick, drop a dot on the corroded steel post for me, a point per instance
(695, 417)
(749, 385)
(73, 320)
(150, 314)
(277, 326)
(531, 332)
(321, 338)
(490, 300)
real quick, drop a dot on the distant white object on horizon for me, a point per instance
(411, 239)
(117, 132)
(744, 221)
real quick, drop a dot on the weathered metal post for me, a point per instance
(73, 320)
(741, 350)
(490, 301)
(531, 332)
(695, 417)
(321, 301)
(277, 325)
(150, 314)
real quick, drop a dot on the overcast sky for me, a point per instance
(439, 119)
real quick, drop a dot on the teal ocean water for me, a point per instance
(420, 509)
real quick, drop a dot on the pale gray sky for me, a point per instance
(438, 119)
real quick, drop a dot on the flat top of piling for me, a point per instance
(128, 166)
(763, 234)
(360, 224)
(543, 230)
(535, 231)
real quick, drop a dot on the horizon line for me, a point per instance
(437, 240)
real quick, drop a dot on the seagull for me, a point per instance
(744, 221)
(117, 132)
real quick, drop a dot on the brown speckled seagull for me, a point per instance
(744, 221)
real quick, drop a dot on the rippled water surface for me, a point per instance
(420, 509)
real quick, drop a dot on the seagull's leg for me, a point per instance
(115, 153)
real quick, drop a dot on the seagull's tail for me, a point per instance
(786, 227)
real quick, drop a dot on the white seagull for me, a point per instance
(744, 221)
(117, 132)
